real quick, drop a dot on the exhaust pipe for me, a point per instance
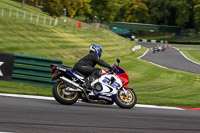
(66, 80)
(71, 82)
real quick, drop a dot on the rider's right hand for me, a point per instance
(114, 69)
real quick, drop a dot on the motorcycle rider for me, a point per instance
(86, 65)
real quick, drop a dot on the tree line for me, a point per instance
(183, 13)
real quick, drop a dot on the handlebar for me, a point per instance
(114, 69)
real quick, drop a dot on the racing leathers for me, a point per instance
(86, 66)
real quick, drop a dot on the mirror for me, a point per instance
(118, 61)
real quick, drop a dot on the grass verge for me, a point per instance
(192, 52)
(152, 84)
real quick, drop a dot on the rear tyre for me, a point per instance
(124, 101)
(63, 96)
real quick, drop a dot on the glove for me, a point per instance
(114, 69)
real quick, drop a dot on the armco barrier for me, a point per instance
(186, 43)
(148, 40)
(33, 70)
(6, 66)
(166, 42)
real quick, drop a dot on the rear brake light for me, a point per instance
(53, 69)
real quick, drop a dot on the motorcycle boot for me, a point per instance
(95, 75)
(87, 84)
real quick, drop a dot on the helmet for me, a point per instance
(96, 48)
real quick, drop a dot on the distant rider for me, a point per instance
(86, 65)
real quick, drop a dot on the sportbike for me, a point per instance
(110, 88)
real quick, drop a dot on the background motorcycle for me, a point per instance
(109, 88)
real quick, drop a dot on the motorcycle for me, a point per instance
(110, 88)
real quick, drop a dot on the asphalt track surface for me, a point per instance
(20, 115)
(171, 58)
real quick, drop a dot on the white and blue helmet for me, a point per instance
(96, 48)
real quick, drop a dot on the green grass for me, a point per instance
(191, 38)
(12, 9)
(55, 42)
(152, 84)
(193, 55)
(20, 88)
(164, 37)
(17, 6)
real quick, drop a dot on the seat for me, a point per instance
(79, 73)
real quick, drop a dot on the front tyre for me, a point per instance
(126, 101)
(62, 95)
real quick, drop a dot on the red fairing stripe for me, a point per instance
(128, 86)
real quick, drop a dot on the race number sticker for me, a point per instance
(107, 81)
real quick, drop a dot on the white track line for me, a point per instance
(157, 65)
(186, 56)
(164, 66)
(51, 98)
(27, 96)
(149, 61)
(6, 132)
(144, 53)
(157, 107)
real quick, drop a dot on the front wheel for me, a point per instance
(126, 99)
(62, 95)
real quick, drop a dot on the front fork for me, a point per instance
(125, 92)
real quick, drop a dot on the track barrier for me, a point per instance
(27, 69)
(164, 42)
(147, 40)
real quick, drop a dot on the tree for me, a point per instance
(196, 10)
(85, 10)
(72, 6)
(184, 13)
(106, 9)
(23, 2)
(136, 11)
(35, 2)
(53, 7)
(161, 12)
(32, 2)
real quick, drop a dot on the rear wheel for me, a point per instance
(62, 95)
(127, 100)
